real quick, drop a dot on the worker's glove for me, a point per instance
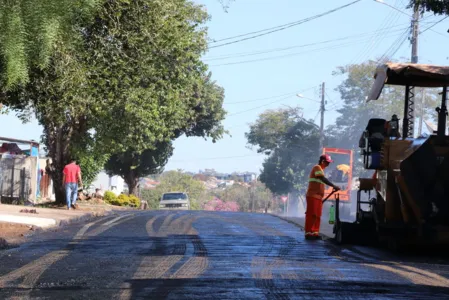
(337, 188)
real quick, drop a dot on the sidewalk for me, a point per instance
(45, 217)
(326, 229)
(15, 226)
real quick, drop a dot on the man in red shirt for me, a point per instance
(71, 178)
(314, 196)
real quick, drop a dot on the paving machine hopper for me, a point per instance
(408, 195)
(340, 173)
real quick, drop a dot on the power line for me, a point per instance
(434, 24)
(272, 97)
(283, 27)
(276, 101)
(244, 111)
(391, 18)
(260, 99)
(342, 45)
(363, 36)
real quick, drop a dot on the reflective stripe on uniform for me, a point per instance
(319, 173)
(315, 180)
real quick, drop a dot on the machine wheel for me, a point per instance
(343, 233)
(394, 245)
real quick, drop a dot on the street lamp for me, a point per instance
(302, 96)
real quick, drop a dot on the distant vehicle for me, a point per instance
(175, 200)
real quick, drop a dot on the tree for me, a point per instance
(133, 79)
(260, 197)
(253, 198)
(203, 120)
(270, 129)
(438, 7)
(217, 204)
(236, 193)
(172, 181)
(31, 29)
(355, 113)
(131, 165)
(292, 145)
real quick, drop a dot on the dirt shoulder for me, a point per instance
(20, 222)
(14, 234)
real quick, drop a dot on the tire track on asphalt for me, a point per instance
(351, 254)
(263, 264)
(272, 263)
(415, 275)
(172, 261)
(31, 272)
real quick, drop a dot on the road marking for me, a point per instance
(32, 271)
(415, 275)
(160, 267)
(116, 219)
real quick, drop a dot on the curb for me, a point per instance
(4, 245)
(288, 221)
(77, 219)
(323, 236)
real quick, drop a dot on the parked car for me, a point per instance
(175, 200)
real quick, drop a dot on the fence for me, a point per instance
(18, 179)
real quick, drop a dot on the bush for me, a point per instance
(134, 201)
(152, 197)
(123, 200)
(110, 197)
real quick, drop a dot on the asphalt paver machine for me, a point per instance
(406, 202)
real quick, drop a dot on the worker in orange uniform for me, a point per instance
(314, 196)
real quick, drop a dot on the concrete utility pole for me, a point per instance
(414, 60)
(322, 109)
(415, 34)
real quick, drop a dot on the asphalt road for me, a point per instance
(208, 255)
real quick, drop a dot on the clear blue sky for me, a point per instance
(250, 78)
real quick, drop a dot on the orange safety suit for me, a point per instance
(314, 198)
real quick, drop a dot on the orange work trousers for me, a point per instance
(313, 215)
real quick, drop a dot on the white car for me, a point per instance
(174, 200)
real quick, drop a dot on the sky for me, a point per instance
(260, 73)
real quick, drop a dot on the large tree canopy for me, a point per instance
(134, 80)
(269, 131)
(30, 30)
(133, 165)
(203, 120)
(436, 6)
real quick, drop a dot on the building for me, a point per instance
(105, 182)
(19, 170)
(244, 176)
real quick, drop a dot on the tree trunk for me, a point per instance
(131, 180)
(57, 144)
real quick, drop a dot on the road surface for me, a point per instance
(208, 255)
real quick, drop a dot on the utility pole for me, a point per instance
(410, 114)
(322, 109)
(415, 34)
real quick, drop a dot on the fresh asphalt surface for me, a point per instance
(208, 255)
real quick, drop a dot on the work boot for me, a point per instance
(316, 236)
(309, 236)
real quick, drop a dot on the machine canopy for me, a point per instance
(417, 75)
